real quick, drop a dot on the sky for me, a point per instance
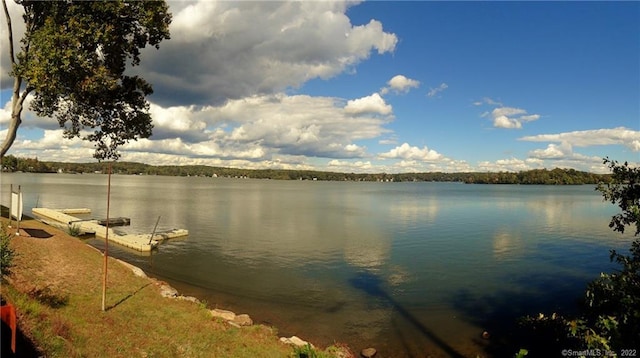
(379, 86)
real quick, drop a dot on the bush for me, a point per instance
(612, 302)
(6, 252)
(610, 316)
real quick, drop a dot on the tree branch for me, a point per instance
(6, 14)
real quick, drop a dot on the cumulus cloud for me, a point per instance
(510, 117)
(357, 166)
(434, 91)
(553, 151)
(506, 117)
(510, 165)
(29, 119)
(373, 104)
(407, 152)
(219, 86)
(222, 50)
(400, 84)
(185, 122)
(261, 127)
(15, 11)
(606, 136)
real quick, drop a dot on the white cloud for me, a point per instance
(575, 161)
(350, 166)
(15, 11)
(407, 152)
(606, 136)
(373, 104)
(509, 165)
(489, 101)
(507, 111)
(186, 122)
(279, 124)
(552, 152)
(506, 122)
(504, 116)
(29, 119)
(388, 141)
(400, 84)
(291, 129)
(434, 91)
(230, 50)
(509, 117)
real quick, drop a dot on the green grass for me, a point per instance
(73, 230)
(56, 287)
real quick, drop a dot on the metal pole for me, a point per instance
(154, 230)
(106, 244)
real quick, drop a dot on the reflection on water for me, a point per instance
(507, 244)
(412, 269)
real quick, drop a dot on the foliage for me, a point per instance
(306, 351)
(73, 59)
(6, 252)
(73, 230)
(545, 335)
(610, 316)
(623, 190)
(547, 177)
(613, 300)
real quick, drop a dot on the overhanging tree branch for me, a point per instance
(17, 100)
(6, 14)
(73, 60)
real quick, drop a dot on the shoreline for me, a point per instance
(232, 318)
(41, 267)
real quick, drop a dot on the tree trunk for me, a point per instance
(17, 100)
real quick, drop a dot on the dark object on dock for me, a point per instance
(115, 221)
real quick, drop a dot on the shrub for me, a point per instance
(6, 252)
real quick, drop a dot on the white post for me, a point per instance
(19, 216)
(10, 205)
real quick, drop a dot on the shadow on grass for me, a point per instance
(24, 346)
(48, 298)
(372, 285)
(124, 299)
(37, 233)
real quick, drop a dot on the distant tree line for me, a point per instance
(537, 176)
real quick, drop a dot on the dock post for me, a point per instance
(19, 216)
(11, 205)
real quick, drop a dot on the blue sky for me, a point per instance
(384, 87)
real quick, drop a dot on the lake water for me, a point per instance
(412, 269)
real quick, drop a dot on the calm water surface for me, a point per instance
(409, 268)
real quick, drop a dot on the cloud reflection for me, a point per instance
(507, 244)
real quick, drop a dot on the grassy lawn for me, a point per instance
(56, 285)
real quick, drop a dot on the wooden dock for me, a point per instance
(141, 242)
